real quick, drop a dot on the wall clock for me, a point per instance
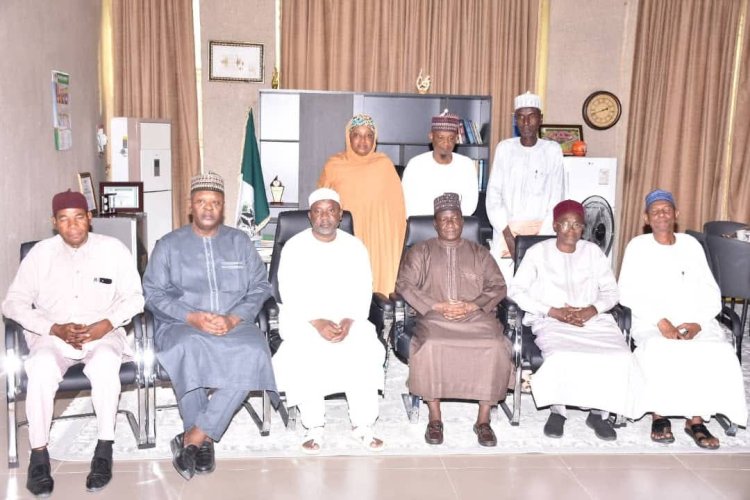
(601, 110)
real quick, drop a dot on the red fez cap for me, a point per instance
(567, 206)
(68, 199)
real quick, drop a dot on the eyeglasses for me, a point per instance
(567, 225)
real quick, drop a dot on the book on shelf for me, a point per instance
(479, 167)
(469, 132)
(475, 129)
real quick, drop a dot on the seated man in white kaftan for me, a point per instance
(325, 284)
(458, 350)
(431, 174)
(205, 284)
(689, 366)
(565, 285)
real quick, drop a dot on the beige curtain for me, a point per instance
(154, 77)
(738, 192)
(680, 98)
(481, 47)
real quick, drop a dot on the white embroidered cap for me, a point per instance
(527, 100)
(323, 194)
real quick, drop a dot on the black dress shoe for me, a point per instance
(39, 481)
(101, 467)
(602, 428)
(205, 461)
(555, 426)
(183, 457)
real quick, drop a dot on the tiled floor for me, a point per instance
(612, 477)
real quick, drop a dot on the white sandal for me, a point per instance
(367, 439)
(314, 437)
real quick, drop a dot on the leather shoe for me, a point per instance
(100, 475)
(205, 460)
(183, 457)
(39, 481)
(555, 425)
(602, 428)
(485, 435)
(434, 432)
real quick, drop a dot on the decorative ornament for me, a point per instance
(275, 78)
(423, 82)
(277, 190)
(578, 148)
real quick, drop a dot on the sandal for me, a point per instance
(365, 436)
(661, 431)
(313, 441)
(701, 436)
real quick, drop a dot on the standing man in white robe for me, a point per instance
(525, 183)
(325, 284)
(435, 172)
(690, 368)
(565, 285)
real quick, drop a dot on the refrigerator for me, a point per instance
(142, 152)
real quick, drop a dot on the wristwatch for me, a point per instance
(682, 331)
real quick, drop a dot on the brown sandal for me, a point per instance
(434, 432)
(485, 435)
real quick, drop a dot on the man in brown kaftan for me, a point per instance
(458, 350)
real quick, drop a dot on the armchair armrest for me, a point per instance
(14, 338)
(382, 302)
(623, 316)
(268, 320)
(729, 318)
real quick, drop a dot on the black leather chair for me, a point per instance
(730, 264)
(722, 227)
(74, 380)
(418, 228)
(289, 224)
(526, 354)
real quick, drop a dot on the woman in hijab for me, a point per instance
(371, 190)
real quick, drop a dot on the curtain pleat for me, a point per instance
(481, 47)
(154, 77)
(739, 183)
(680, 95)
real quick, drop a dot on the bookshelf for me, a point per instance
(300, 130)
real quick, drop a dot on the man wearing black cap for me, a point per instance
(458, 350)
(564, 284)
(72, 294)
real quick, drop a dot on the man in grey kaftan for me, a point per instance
(205, 284)
(458, 350)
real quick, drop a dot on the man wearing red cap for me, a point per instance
(73, 294)
(564, 284)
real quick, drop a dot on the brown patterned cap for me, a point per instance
(447, 201)
(210, 181)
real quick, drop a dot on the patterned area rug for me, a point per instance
(75, 439)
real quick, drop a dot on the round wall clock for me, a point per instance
(601, 110)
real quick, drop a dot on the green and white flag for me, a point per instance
(253, 213)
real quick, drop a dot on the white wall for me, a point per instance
(38, 36)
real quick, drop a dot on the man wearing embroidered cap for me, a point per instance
(689, 366)
(329, 346)
(525, 183)
(565, 285)
(73, 294)
(205, 283)
(458, 350)
(432, 173)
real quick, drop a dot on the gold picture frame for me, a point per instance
(86, 187)
(235, 62)
(564, 135)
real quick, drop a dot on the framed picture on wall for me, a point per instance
(128, 195)
(564, 135)
(235, 61)
(86, 186)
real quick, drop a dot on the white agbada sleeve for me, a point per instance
(495, 205)
(323, 281)
(410, 186)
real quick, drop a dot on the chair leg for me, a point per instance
(12, 434)
(263, 424)
(730, 428)
(411, 404)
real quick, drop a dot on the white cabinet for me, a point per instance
(142, 152)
